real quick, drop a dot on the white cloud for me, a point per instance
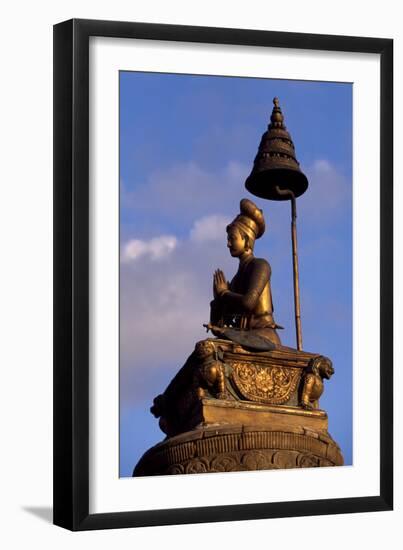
(322, 165)
(162, 310)
(209, 228)
(157, 248)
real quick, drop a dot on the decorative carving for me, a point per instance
(257, 460)
(219, 451)
(224, 463)
(197, 466)
(307, 460)
(272, 385)
(285, 460)
(250, 461)
(221, 370)
(319, 368)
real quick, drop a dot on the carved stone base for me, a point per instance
(225, 373)
(265, 438)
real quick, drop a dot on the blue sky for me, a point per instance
(187, 143)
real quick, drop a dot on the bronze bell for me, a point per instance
(275, 168)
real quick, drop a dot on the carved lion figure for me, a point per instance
(312, 382)
(209, 374)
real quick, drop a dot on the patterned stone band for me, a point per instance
(217, 451)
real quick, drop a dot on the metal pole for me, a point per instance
(295, 270)
(298, 329)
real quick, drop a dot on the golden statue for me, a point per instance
(246, 302)
(242, 400)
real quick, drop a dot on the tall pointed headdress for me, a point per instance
(250, 220)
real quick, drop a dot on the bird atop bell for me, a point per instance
(276, 168)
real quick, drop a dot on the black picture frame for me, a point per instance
(71, 274)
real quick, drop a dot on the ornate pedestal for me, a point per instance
(229, 409)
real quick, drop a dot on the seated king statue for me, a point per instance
(246, 302)
(243, 401)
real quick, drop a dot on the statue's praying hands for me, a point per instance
(220, 284)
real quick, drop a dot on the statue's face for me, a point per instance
(235, 242)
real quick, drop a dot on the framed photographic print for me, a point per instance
(223, 312)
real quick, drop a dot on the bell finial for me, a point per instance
(276, 168)
(277, 118)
